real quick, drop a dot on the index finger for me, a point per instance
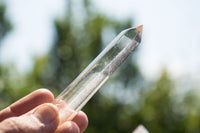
(27, 103)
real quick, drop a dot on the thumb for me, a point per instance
(43, 119)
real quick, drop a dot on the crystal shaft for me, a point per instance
(77, 94)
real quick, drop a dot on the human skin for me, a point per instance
(36, 113)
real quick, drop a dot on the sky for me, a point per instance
(171, 34)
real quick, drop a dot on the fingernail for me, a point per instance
(46, 113)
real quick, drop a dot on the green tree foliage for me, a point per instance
(157, 112)
(5, 25)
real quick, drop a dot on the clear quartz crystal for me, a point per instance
(77, 94)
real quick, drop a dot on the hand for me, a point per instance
(35, 113)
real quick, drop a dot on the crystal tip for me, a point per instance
(140, 28)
